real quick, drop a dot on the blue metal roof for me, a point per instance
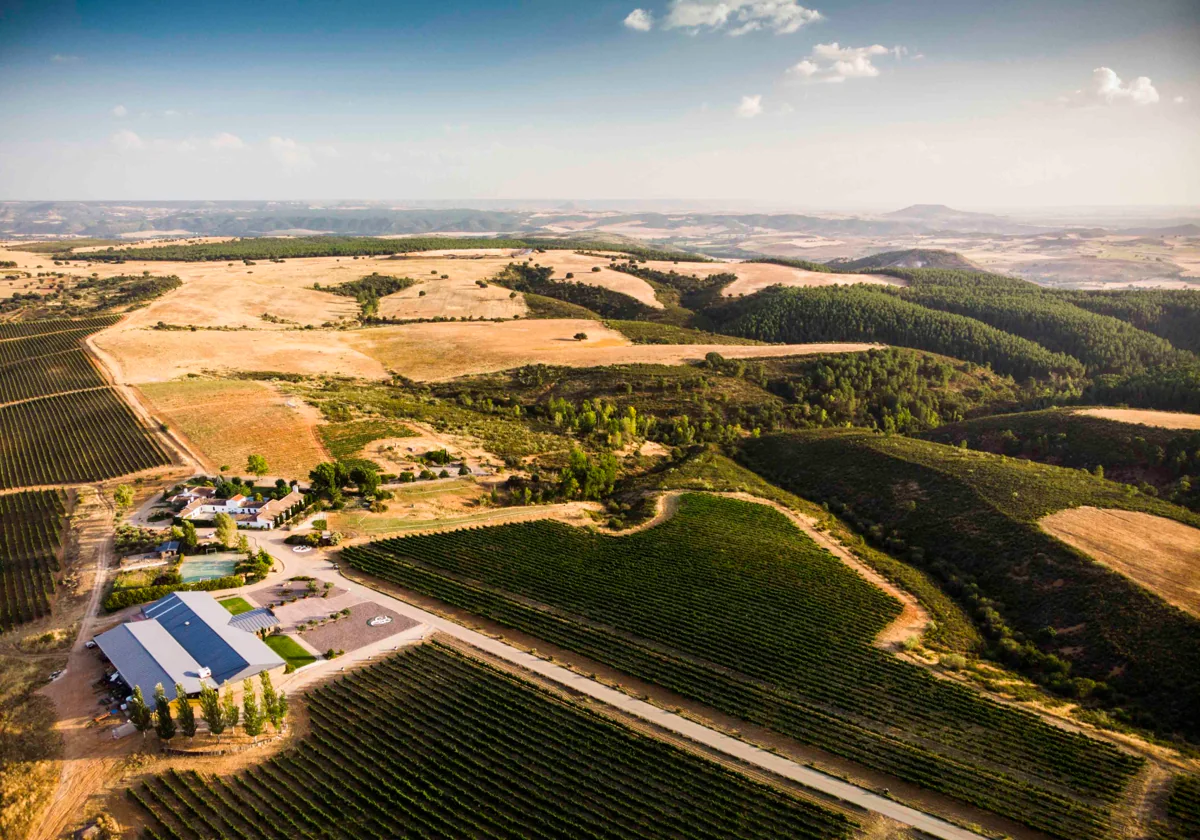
(202, 627)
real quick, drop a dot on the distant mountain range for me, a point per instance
(259, 218)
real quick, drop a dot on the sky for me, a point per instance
(775, 104)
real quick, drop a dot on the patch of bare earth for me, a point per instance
(1160, 554)
(453, 298)
(1139, 417)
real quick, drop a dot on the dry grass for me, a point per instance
(1159, 554)
(141, 356)
(459, 349)
(230, 420)
(1161, 419)
(754, 277)
(30, 748)
(436, 298)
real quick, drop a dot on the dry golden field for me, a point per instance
(228, 420)
(1140, 417)
(1160, 554)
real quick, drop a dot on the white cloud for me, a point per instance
(639, 20)
(326, 151)
(290, 154)
(835, 63)
(1108, 88)
(1179, 100)
(749, 107)
(120, 111)
(127, 141)
(782, 16)
(805, 68)
(59, 58)
(186, 146)
(381, 157)
(225, 140)
(170, 112)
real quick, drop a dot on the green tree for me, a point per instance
(257, 465)
(243, 544)
(581, 336)
(252, 714)
(211, 711)
(164, 725)
(281, 710)
(123, 496)
(188, 535)
(185, 714)
(227, 534)
(270, 700)
(365, 478)
(231, 711)
(139, 713)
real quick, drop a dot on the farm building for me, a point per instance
(190, 639)
(246, 512)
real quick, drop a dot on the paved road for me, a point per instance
(320, 567)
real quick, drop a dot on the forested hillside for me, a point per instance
(970, 518)
(1161, 462)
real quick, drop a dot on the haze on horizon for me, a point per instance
(757, 103)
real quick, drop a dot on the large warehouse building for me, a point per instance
(190, 639)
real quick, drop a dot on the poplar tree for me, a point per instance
(139, 713)
(185, 714)
(252, 716)
(210, 709)
(269, 699)
(163, 724)
(232, 712)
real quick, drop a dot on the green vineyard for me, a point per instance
(30, 533)
(432, 744)
(729, 604)
(72, 438)
(69, 370)
(24, 329)
(60, 423)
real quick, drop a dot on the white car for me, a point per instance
(302, 549)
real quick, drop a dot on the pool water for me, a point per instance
(206, 568)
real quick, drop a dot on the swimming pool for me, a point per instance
(206, 568)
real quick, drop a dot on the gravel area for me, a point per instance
(353, 631)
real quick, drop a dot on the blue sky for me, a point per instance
(775, 103)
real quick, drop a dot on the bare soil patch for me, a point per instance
(1161, 419)
(231, 419)
(1160, 554)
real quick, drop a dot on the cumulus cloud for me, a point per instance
(126, 141)
(225, 140)
(1179, 100)
(1107, 86)
(781, 16)
(1108, 89)
(749, 107)
(290, 154)
(835, 63)
(639, 20)
(120, 111)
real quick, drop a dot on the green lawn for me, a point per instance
(237, 606)
(290, 650)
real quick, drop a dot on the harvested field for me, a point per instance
(436, 298)
(1139, 417)
(472, 348)
(754, 277)
(1160, 554)
(141, 356)
(229, 420)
